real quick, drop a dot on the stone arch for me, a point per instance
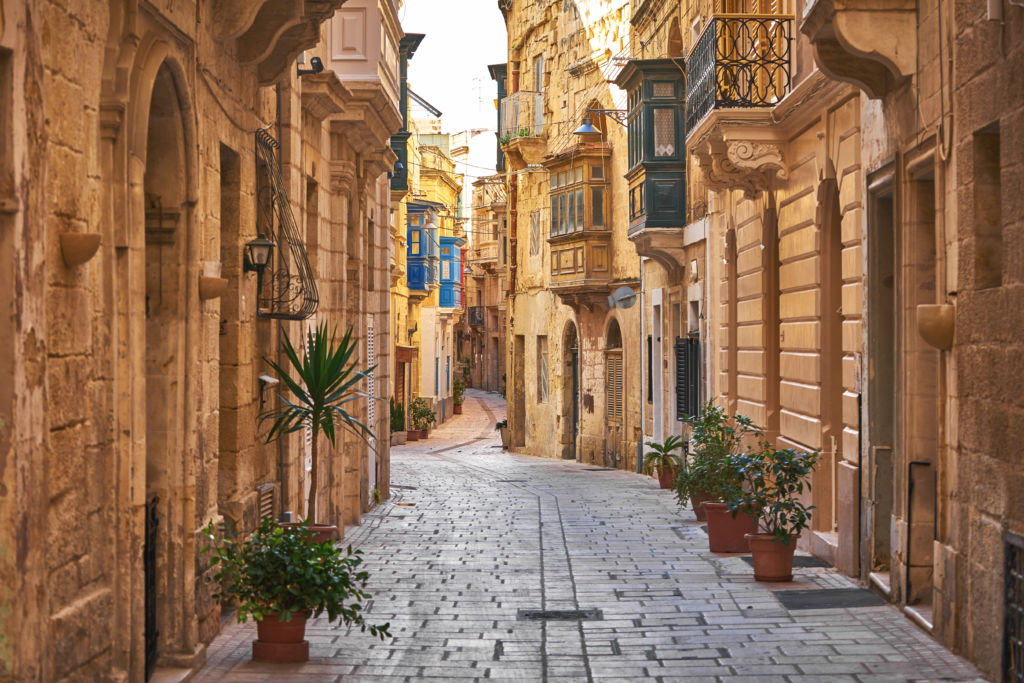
(675, 39)
(162, 182)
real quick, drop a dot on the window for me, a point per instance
(578, 199)
(542, 369)
(988, 221)
(687, 377)
(535, 233)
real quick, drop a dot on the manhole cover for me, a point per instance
(828, 598)
(804, 561)
(559, 614)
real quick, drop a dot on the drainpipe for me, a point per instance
(643, 375)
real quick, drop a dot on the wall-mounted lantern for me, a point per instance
(257, 254)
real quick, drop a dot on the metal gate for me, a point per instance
(149, 581)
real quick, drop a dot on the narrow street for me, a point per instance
(475, 539)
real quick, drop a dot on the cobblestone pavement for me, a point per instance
(473, 536)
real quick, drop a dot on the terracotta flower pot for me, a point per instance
(281, 641)
(727, 534)
(697, 501)
(457, 410)
(412, 435)
(321, 532)
(666, 477)
(773, 561)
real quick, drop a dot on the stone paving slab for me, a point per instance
(472, 535)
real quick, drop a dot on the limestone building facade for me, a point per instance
(144, 148)
(569, 372)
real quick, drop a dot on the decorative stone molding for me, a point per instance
(748, 165)
(323, 94)
(869, 43)
(343, 176)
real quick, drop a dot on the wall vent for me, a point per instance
(265, 499)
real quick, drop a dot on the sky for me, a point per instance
(449, 69)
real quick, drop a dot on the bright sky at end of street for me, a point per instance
(449, 69)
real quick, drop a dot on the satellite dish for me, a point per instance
(623, 297)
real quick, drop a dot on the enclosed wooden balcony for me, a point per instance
(521, 128)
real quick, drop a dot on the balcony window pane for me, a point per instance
(561, 213)
(554, 214)
(597, 172)
(597, 207)
(579, 209)
(414, 243)
(579, 174)
(554, 181)
(561, 179)
(663, 89)
(664, 133)
(572, 213)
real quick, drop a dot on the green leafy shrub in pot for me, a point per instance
(397, 417)
(774, 479)
(422, 414)
(710, 471)
(458, 390)
(282, 572)
(663, 458)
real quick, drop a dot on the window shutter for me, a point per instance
(371, 385)
(687, 376)
(613, 386)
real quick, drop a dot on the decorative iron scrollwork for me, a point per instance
(739, 61)
(287, 289)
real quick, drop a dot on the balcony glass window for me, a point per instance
(570, 189)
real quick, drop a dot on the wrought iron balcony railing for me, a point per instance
(740, 60)
(521, 115)
(476, 315)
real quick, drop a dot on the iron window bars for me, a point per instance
(740, 60)
(287, 290)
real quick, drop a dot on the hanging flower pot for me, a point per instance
(726, 533)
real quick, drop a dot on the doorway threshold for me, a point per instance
(922, 615)
(883, 582)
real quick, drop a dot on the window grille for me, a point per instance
(287, 290)
(1013, 610)
(535, 233)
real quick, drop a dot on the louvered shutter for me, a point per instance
(613, 386)
(687, 377)
(371, 385)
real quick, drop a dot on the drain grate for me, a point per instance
(828, 598)
(804, 561)
(598, 469)
(559, 615)
(406, 505)
(404, 488)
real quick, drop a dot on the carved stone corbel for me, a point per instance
(748, 165)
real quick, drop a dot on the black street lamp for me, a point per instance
(257, 254)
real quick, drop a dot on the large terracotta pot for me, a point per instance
(666, 477)
(457, 410)
(503, 431)
(412, 435)
(773, 561)
(281, 641)
(697, 501)
(321, 532)
(727, 534)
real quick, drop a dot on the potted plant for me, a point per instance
(773, 482)
(422, 416)
(502, 428)
(662, 458)
(713, 436)
(458, 390)
(323, 383)
(281, 577)
(398, 433)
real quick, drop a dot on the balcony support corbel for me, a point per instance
(870, 43)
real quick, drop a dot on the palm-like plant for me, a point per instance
(322, 383)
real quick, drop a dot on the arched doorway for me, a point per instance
(613, 403)
(165, 193)
(570, 392)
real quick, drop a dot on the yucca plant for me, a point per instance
(322, 383)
